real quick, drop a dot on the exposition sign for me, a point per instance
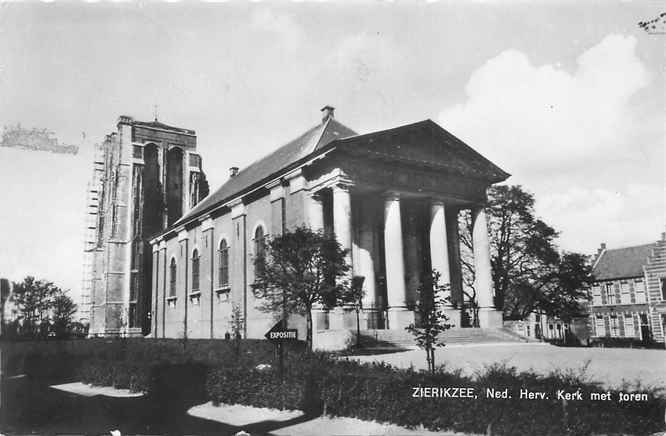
(280, 333)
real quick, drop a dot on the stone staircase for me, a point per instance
(401, 339)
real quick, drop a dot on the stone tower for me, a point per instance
(146, 175)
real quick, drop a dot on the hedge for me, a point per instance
(382, 393)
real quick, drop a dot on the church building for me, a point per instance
(391, 197)
(146, 175)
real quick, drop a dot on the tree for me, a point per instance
(433, 321)
(301, 268)
(237, 324)
(529, 274)
(63, 310)
(34, 300)
(356, 294)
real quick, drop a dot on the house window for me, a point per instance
(662, 281)
(223, 264)
(600, 325)
(259, 250)
(172, 278)
(610, 294)
(195, 271)
(625, 297)
(629, 326)
(596, 295)
(614, 326)
(639, 290)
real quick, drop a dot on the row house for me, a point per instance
(629, 291)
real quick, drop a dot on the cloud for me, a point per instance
(591, 155)
(266, 20)
(630, 216)
(532, 118)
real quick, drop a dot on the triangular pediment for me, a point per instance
(424, 144)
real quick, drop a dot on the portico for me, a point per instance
(394, 238)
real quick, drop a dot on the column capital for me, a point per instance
(437, 202)
(342, 185)
(391, 196)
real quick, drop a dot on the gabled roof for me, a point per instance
(434, 147)
(309, 142)
(622, 262)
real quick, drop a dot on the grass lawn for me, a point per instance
(610, 366)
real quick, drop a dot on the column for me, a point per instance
(342, 318)
(439, 256)
(366, 264)
(455, 269)
(399, 316)
(488, 316)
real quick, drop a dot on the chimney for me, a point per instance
(603, 245)
(327, 112)
(233, 172)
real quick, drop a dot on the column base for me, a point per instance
(454, 316)
(490, 317)
(399, 318)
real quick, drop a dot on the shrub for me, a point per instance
(382, 393)
(137, 377)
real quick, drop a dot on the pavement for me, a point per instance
(611, 367)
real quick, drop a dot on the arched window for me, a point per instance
(223, 266)
(259, 250)
(172, 278)
(195, 271)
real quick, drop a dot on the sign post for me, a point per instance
(279, 334)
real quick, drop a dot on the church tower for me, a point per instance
(146, 175)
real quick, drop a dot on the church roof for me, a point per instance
(309, 142)
(435, 148)
(622, 262)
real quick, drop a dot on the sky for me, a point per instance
(568, 97)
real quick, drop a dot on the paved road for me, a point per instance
(609, 366)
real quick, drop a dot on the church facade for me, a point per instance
(146, 176)
(391, 197)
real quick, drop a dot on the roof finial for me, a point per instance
(155, 111)
(327, 113)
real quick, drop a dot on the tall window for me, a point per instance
(610, 294)
(639, 290)
(596, 295)
(223, 271)
(195, 271)
(172, 278)
(629, 326)
(600, 326)
(259, 249)
(663, 288)
(625, 297)
(614, 326)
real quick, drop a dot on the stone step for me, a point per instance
(400, 338)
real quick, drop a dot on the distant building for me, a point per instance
(629, 292)
(146, 175)
(391, 197)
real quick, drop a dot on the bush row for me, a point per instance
(379, 392)
(120, 374)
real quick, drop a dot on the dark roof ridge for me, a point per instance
(625, 247)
